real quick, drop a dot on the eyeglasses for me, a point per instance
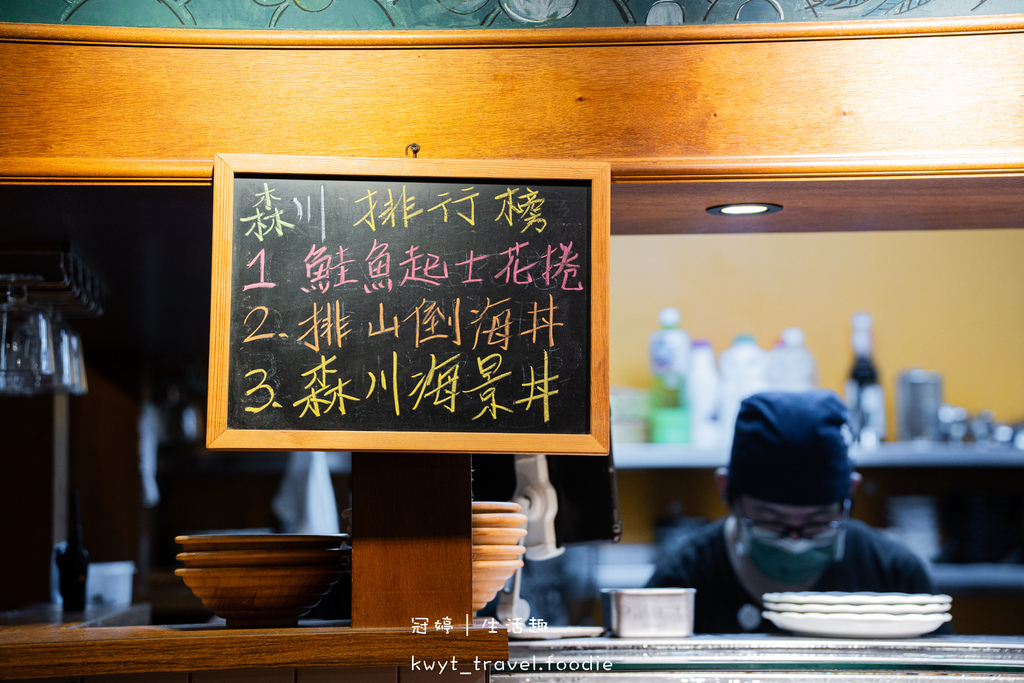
(811, 530)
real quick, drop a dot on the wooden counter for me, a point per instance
(38, 650)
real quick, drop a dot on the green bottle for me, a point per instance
(669, 354)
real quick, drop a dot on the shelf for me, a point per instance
(640, 456)
(896, 454)
(979, 578)
(926, 454)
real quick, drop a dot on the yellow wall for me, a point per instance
(950, 301)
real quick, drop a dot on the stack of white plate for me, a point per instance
(857, 615)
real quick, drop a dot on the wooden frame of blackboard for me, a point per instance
(593, 438)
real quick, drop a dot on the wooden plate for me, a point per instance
(498, 552)
(497, 564)
(498, 519)
(279, 579)
(496, 506)
(498, 536)
(210, 542)
(284, 557)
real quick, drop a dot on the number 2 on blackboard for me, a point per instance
(266, 335)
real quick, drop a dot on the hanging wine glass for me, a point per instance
(63, 366)
(69, 365)
(26, 352)
(80, 383)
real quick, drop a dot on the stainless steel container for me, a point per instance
(649, 612)
(918, 398)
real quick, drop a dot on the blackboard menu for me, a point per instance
(409, 305)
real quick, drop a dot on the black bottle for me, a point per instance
(865, 399)
(73, 563)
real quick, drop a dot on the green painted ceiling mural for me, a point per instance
(344, 15)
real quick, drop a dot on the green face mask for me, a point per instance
(787, 560)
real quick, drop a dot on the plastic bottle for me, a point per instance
(865, 399)
(790, 364)
(743, 367)
(702, 386)
(669, 354)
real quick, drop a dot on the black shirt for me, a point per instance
(871, 562)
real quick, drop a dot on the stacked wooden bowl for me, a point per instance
(262, 580)
(497, 552)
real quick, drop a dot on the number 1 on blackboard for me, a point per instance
(261, 256)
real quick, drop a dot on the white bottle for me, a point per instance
(702, 386)
(790, 364)
(669, 354)
(865, 399)
(743, 366)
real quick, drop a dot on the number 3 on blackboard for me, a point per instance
(262, 385)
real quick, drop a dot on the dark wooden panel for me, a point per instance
(105, 468)
(411, 538)
(27, 504)
(936, 203)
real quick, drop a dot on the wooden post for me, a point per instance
(411, 538)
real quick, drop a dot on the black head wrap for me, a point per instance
(791, 448)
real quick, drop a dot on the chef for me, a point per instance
(788, 486)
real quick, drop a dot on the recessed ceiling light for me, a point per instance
(743, 209)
